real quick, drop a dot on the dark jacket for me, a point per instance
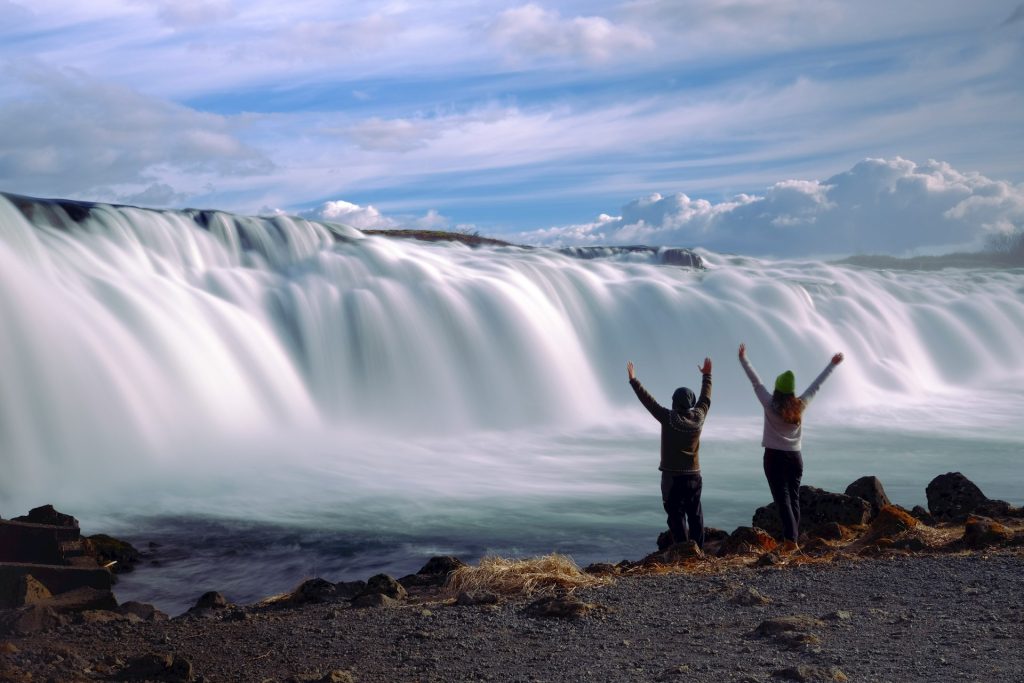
(680, 431)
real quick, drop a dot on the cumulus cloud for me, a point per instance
(531, 30)
(878, 206)
(65, 133)
(370, 218)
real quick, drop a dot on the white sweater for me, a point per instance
(778, 433)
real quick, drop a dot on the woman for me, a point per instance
(783, 418)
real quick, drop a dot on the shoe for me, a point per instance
(788, 547)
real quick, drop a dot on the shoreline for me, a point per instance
(876, 593)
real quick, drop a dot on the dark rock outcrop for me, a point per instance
(314, 591)
(46, 514)
(952, 496)
(383, 584)
(210, 600)
(981, 532)
(817, 507)
(349, 590)
(747, 539)
(108, 549)
(871, 490)
(143, 611)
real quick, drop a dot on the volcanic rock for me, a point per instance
(46, 514)
(871, 490)
(313, 591)
(385, 585)
(747, 539)
(952, 496)
(109, 549)
(817, 507)
(981, 532)
(348, 590)
(209, 600)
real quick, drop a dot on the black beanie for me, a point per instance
(683, 400)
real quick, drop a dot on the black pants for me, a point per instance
(680, 494)
(784, 470)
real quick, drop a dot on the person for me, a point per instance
(681, 482)
(783, 422)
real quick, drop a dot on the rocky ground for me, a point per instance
(899, 618)
(877, 594)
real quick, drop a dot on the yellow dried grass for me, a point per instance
(530, 576)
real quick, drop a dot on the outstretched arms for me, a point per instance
(704, 402)
(762, 394)
(659, 412)
(820, 379)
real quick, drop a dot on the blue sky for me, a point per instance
(530, 120)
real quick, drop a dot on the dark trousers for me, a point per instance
(680, 494)
(784, 470)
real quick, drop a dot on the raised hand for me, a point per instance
(837, 359)
(630, 370)
(706, 369)
(743, 350)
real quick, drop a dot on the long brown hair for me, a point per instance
(788, 406)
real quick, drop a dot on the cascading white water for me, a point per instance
(130, 333)
(278, 369)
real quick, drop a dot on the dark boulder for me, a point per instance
(143, 611)
(209, 600)
(665, 539)
(108, 549)
(891, 521)
(675, 554)
(981, 532)
(871, 490)
(30, 619)
(383, 584)
(441, 565)
(817, 507)
(952, 496)
(46, 514)
(922, 515)
(374, 600)
(747, 539)
(348, 590)
(314, 591)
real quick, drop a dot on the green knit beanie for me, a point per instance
(786, 383)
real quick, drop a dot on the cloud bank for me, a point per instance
(890, 206)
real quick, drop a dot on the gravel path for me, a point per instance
(920, 618)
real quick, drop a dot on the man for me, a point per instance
(680, 447)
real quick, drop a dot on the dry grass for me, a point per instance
(535, 575)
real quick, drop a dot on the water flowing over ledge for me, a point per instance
(199, 363)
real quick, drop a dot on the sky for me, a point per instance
(757, 126)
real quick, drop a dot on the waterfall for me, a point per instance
(133, 337)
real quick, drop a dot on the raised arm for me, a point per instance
(820, 379)
(704, 402)
(659, 412)
(763, 395)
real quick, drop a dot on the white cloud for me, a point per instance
(64, 133)
(370, 218)
(878, 206)
(531, 31)
(359, 217)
